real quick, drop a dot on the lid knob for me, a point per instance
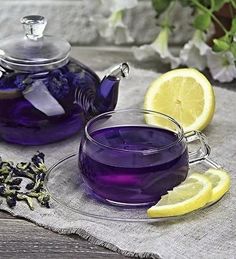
(34, 26)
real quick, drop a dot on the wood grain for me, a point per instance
(22, 239)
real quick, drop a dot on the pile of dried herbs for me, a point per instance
(12, 176)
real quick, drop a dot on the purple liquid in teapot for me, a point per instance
(45, 95)
(49, 106)
(130, 172)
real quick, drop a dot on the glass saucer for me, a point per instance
(66, 187)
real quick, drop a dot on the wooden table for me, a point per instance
(22, 239)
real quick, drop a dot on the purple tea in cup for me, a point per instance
(125, 161)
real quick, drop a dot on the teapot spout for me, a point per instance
(107, 94)
(119, 71)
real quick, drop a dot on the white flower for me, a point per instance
(194, 52)
(119, 5)
(113, 29)
(222, 65)
(158, 47)
(181, 18)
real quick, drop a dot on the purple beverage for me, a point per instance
(46, 95)
(132, 165)
(41, 108)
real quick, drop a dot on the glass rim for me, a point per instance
(150, 151)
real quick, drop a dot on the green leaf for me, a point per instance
(233, 2)
(160, 5)
(220, 45)
(233, 48)
(219, 4)
(227, 38)
(186, 2)
(202, 21)
(233, 26)
(206, 3)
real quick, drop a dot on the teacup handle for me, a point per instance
(202, 153)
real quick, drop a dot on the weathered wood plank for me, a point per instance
(5, 215)
(22, 239)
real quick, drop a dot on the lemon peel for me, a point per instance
(184, 94)
(192, 194)
(220, 180)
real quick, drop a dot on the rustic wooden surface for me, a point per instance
(22, 239)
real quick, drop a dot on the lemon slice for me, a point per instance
(220, 183)
(184, 94)
(192, 194)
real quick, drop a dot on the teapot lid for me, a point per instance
(34, 51)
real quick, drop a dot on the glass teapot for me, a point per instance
(45, 95)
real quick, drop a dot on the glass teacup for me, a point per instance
(125, 160)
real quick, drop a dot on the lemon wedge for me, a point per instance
(190, 195)
(184, 94)
(220, 183)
